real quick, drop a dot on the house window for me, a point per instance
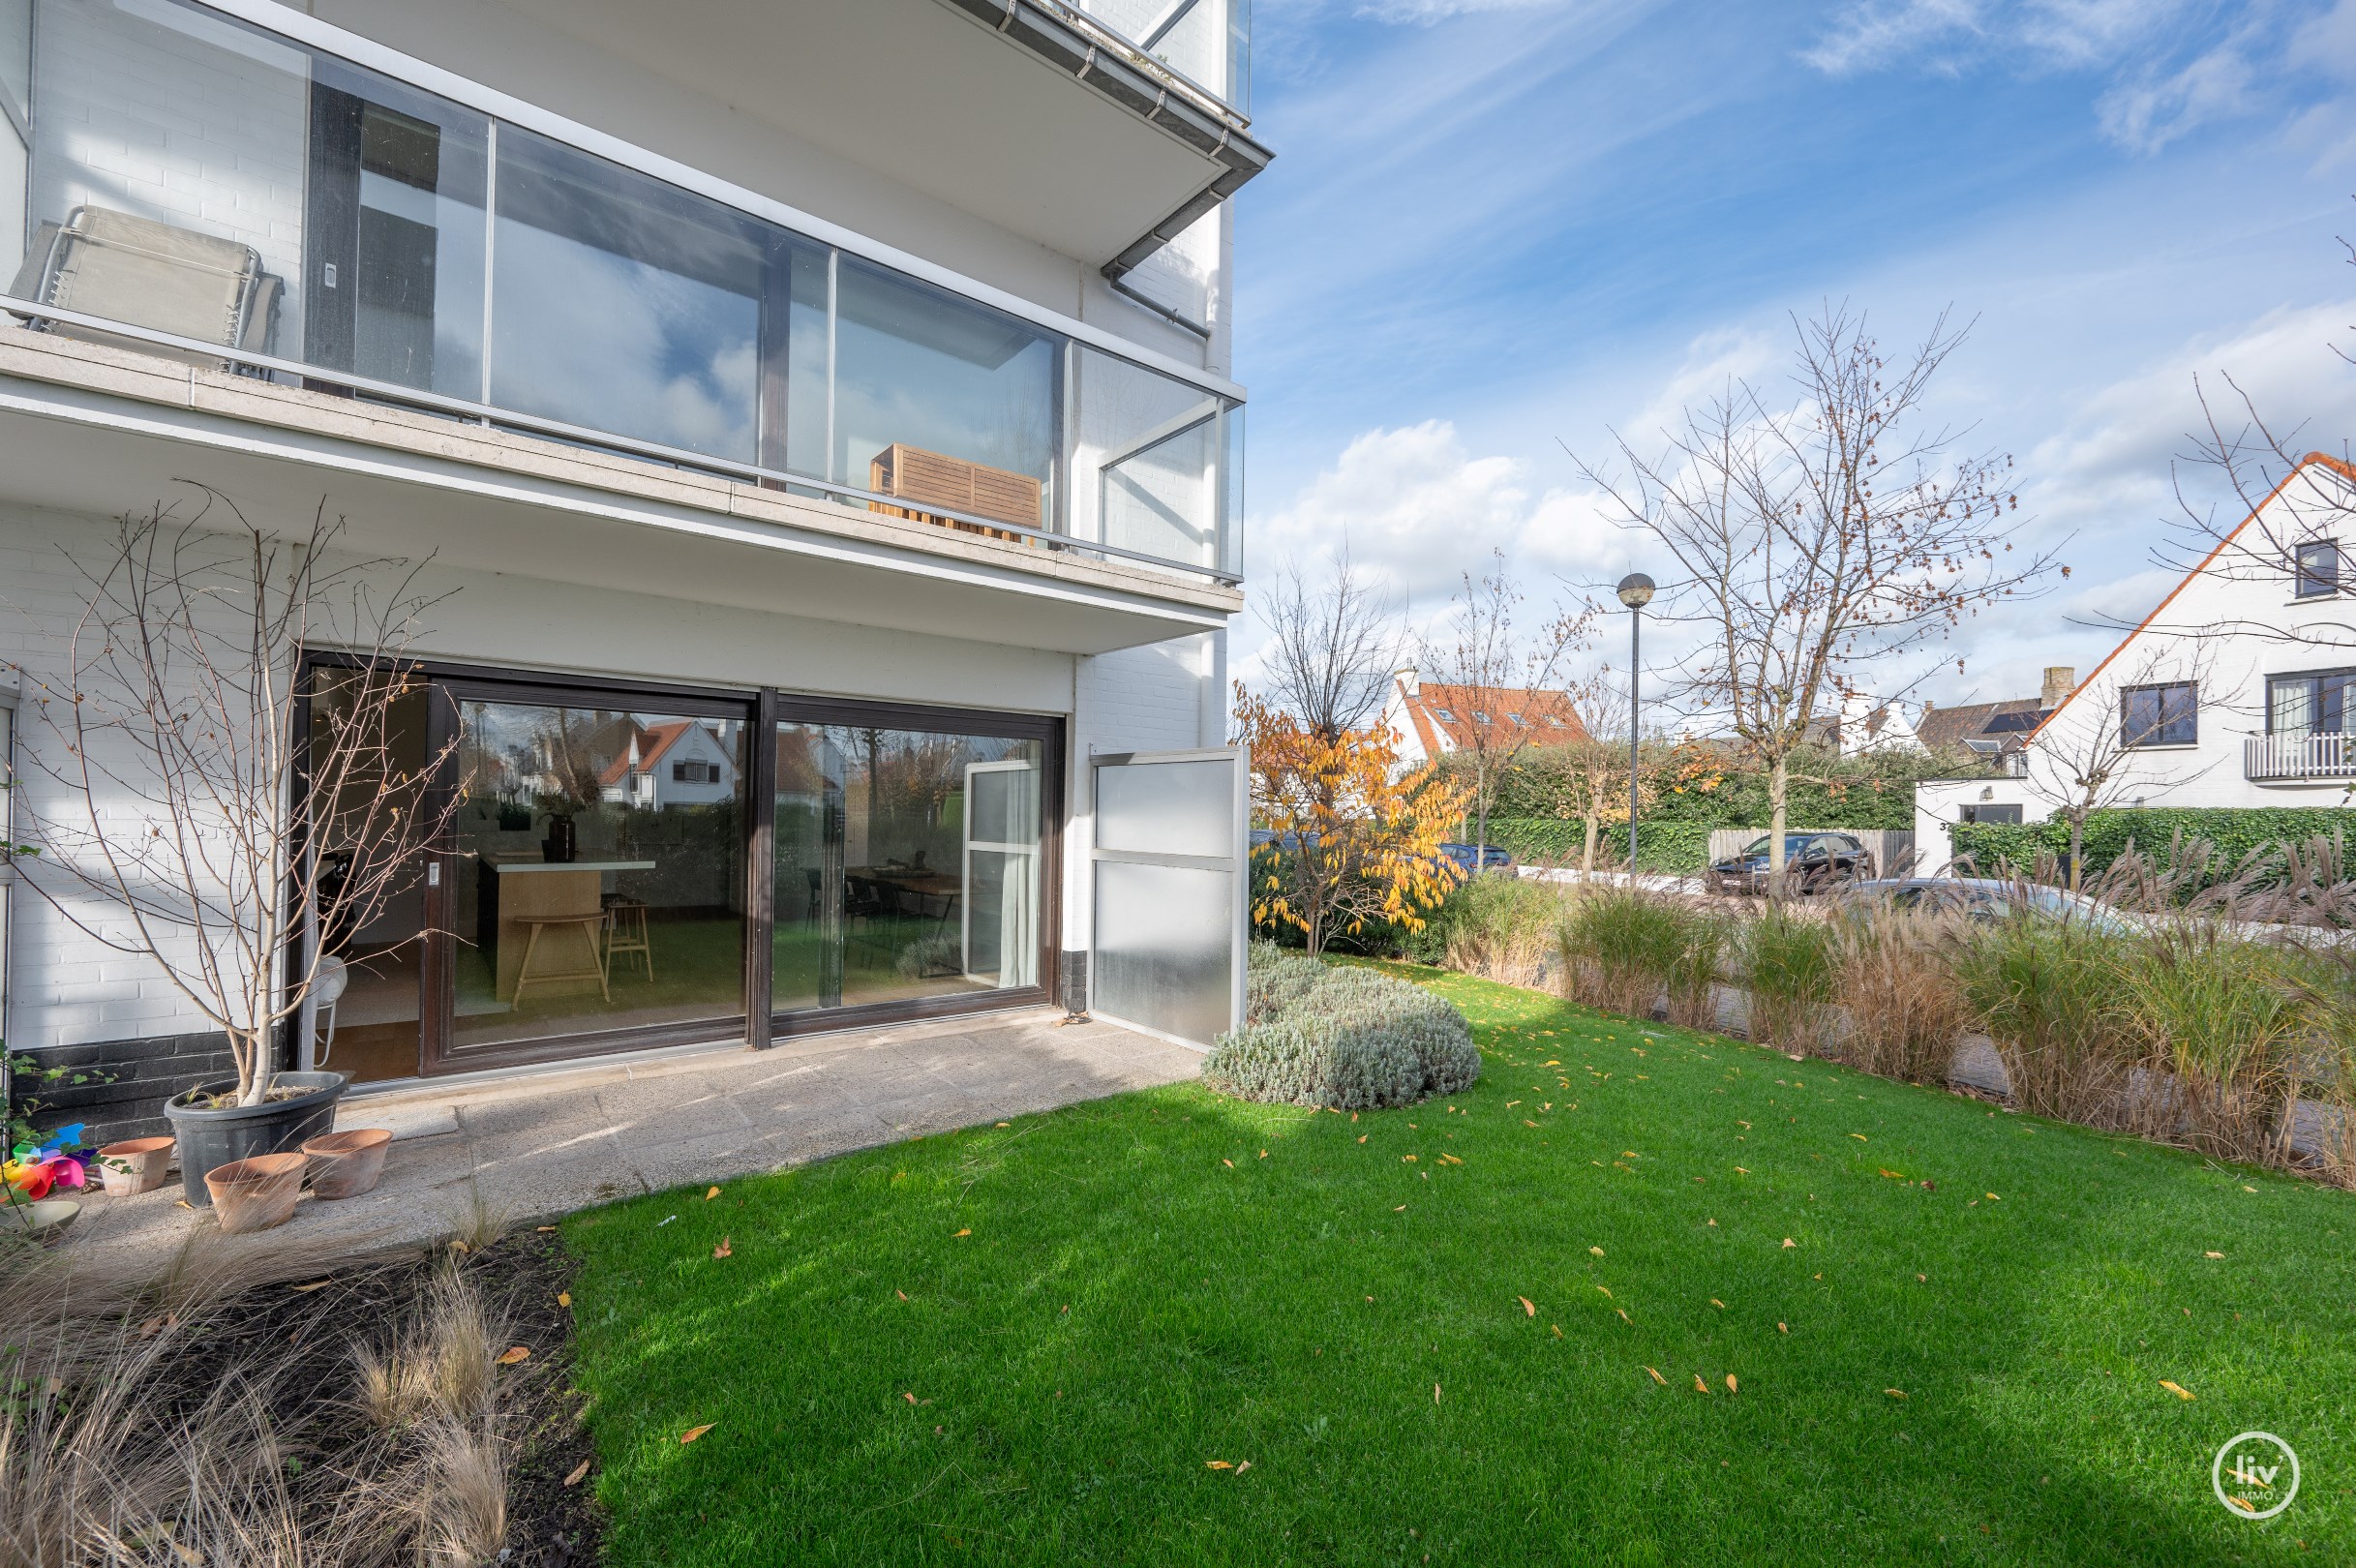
(1989, 813)
(2313, 703)
(2318, 569)
(1445, 718)
(1479, 717)
(2161, 715)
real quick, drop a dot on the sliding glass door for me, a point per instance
(909, 860)
(597, 872)
(602, 883)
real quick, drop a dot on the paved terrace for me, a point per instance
(531, 1147)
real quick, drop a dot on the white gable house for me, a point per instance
(2238, 689)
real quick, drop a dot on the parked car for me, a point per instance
(1815, 861)
(1491, 858)
(1988, 898)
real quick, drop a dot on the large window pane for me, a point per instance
(599, 881)
(167, 172)
(941, 401)
(396, 233)
(908, 864)
(1146, 470)
(624, 304)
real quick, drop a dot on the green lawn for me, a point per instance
(1028, 1343)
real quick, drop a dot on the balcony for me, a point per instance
(2299, 759)
(1056, 119)
(232, 199)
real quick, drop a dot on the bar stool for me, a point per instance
(626, 932)
(589, 925)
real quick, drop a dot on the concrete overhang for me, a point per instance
(1024, 113)
(91, 429)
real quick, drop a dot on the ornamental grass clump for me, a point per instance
(2048, 993)
(1498, 928)
(1343, 1038)
(2223, 1032)
(1790, 968)
(1894, 973)
(1623, 948)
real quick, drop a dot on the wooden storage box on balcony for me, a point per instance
(924, 480)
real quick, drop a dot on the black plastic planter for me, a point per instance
(210, 1139)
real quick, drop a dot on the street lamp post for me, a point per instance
(1636, 592)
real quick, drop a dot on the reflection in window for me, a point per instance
(1145, 470)
(2161, 715)
(624, 304)
(919, 372)
(395, 223)
(600, 884)
(2309, 704)
(2319, 569)
(908, 864)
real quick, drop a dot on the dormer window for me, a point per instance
(1445, 718)
(2318, 569)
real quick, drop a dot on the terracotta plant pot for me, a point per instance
(134, 1166)
(211, 1138)
(346, 1164)
(47, 1220)
(257, 1193)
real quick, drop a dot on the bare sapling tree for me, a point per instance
(1586, 779)
(1332, 648)
(1822, 544)
(1493, 666)
(2115, 739)
(185, 813)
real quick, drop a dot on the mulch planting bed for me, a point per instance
(300, 1337)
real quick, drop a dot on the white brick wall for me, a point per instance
(66, 989)
(202, 125)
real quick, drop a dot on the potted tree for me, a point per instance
(208, 802)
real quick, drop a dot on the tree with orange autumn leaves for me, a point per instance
(1357, 838)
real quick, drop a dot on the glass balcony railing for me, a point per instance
(247, 200)
(1207, 42)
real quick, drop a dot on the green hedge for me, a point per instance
(1660, 846)
(2232, 832)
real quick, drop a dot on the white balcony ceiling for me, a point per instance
(921, 93)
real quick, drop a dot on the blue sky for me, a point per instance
(1496, 224)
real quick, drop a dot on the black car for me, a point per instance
(1491, 857)
(1813, 862)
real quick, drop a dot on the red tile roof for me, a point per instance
(1512, 715)
(654, 741)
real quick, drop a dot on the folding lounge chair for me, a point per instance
(103, 262)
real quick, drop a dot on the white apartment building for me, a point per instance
(841, 388)
(2234, 691)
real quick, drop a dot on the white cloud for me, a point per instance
(1425, 13)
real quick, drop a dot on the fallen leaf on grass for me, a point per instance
(967, 1231)
(1406, 1160)
(693, 1432)
(1860, 1138)
(1219, 1464)
(1529, 1307)
(564, 1298)
(1895, 1393)
(711, 1193)
(1434, 1393)
(1657, 1377)
(1229, 1163)
(1699, 1386)
(909, 1397)
(1624, 1317)
(1739, 1171)
(1558, 1328)
(1361, 1137)
(1263, 1154)
(1597, 1251)
(902, 1294)
(2204, 1254)
(1732, 1387)
(515, 1353)
(1715, 1302)
(580, 1472)
(1783, 1328)
(1402, 1209)
(1895, 1176)
(2177, 1389)
(723, 1249)
(1789, 1242)
(1993, 1199)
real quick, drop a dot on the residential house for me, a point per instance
(1429, 719)
(2231, 692)
(1996, 732)
(841, 382)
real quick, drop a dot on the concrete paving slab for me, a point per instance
(540, 1145)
